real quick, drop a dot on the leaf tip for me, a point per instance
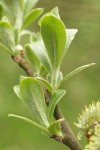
(92, 64)
(10, 115)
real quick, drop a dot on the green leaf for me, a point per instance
(4, 7)
(70, 34)
(45, 130)
(43, 72)
(14, 12)
(54, 128)
(17, 90)
(7, 36)
(32, 95)
(22, 77)
(60, 76)
(22, 2)
(17, 9)
(39, 50)
(25, 32)
(46, 84)
(33, 59)
(54, 37)
(29, 4)
(2, 47)
(0, 12)
(55, 12)
(77, 70)
(31, 17)
(17, 36)
(55, 98)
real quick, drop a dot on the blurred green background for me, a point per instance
(82, 89)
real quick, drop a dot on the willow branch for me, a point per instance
(68, 138)
(23, 63)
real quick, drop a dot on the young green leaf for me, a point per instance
(31, 17)
(60, 76)
(7, 36)
(54, 37)
(55, 98)
(32, 95)
(17, 12)
(70, 34)
(22, 2)
(5, 8)
(0, 12)
(29, 4)
(45, 83)
(17, 90)
(22, 77)
(2, 47)
(33, 59)
(43, 72)
(54, 128)
(39, 50)
(73, 73)
(45, 130)
(25, 32)
(55, 12)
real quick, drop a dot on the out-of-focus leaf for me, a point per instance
(45, 130)
(70, 34)
(29, 4)
(33, 59)
(5, 9)
(39, 50)
(54, 128)
(73, 73)
(22, 2)
(5, 19)
(17, 14)
(2, 47)
(55, 98)
(31, 17)
(54, 37)
(17, 36)
(14, 11)
(7, 36)
(0, 12)
(25, 32)
(32, 95)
